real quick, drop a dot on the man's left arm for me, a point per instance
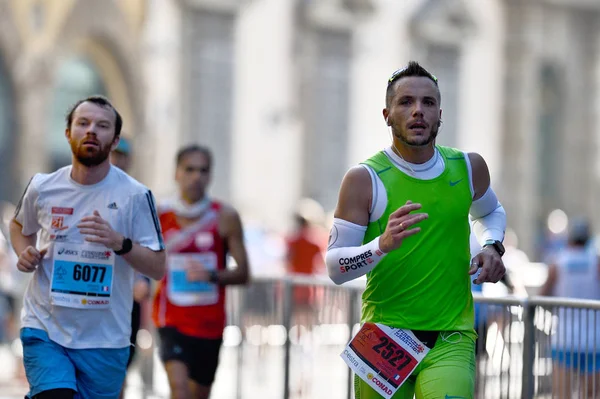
(147, 254)
(488, 221)
(145, 260)
(231, 229)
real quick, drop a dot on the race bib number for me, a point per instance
(82, 276)
(182, 290)
(384, 357)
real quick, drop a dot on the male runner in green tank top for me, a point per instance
(402, 219)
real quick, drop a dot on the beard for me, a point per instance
(419, 141)
(93, 156)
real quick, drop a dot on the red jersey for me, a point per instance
(304, 255)
(195, 309)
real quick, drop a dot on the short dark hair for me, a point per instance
(101, 101)
(301, 221)
(412, 69)
(579, 232)
(194, 148)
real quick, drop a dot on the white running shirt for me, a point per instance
(53, 204)
(577, 330)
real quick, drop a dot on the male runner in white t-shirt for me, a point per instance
(96, 226)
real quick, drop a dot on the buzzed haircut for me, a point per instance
(101, 101)
(412, 69)
(191, 149)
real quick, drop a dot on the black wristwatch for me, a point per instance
(213, 276)
(126, 247)
(497, 246)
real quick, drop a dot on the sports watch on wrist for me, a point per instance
(125, 247)
(213, 276)
(497, 246)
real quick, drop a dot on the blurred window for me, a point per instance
(549, 134)
(443, 61)
(8, 136)
(77, 78)
(327, 125)
(208, 85)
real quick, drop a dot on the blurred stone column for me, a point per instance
(580, 95)
(33, 83)
(161, 58)
(595, 210)
(267, 134)
(520, 120)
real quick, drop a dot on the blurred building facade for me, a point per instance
(288, 93)
(51, 54)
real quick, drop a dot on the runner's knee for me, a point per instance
(180, 390)
(180, 387)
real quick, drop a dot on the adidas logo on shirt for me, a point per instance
(113, 205)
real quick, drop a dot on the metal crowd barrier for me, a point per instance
(284, 337)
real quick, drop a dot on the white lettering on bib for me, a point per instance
(82, 276)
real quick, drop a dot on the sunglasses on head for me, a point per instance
(396, 75)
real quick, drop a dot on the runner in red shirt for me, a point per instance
(189, 306)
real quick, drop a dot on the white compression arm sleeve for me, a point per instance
(488, 218)
(347, 259)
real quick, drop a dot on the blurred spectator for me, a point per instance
(121, 158)
(8, 326)
(12, 283)
(575, 273)
(304, 256)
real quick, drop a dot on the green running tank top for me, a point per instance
(424, 284)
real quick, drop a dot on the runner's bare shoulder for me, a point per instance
(355, 196)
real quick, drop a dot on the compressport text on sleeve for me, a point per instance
(346, 258)
(488, 218)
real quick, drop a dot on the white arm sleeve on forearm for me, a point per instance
(488, 218)
(347, 259)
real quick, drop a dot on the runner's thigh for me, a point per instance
(100, 372)
(362, 390)
(448, 371)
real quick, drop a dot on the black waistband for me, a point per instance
(427, 337)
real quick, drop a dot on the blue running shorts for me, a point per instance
(92, 373)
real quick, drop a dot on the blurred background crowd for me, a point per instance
(288, 95)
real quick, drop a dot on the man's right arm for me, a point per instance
(347, 259)
(355, 195)
(18, 240)
(23, 230)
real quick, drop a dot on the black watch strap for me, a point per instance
(213, 276)
(127, 246)
(497, 245)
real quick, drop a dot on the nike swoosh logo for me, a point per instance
(454, 397)
(454, 183)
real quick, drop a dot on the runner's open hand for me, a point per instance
(398, 224)
(99, 231)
